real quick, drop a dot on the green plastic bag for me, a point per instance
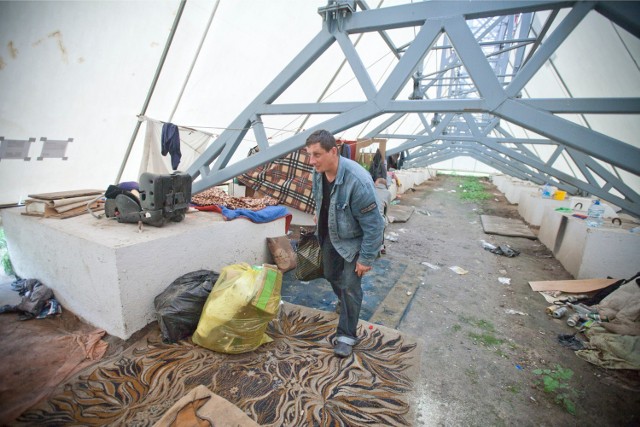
(239, 308)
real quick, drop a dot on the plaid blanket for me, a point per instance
(288, 179)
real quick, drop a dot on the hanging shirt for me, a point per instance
(171, 143)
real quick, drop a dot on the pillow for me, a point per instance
(282, 253)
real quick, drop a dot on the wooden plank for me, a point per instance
(506, 227)
(572, 286)
(399, 213)
(81, 210)
(65, 194)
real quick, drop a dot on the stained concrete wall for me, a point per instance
(108, 273)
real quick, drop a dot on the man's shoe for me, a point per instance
(342, 349)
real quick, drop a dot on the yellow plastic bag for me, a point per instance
(239, 308)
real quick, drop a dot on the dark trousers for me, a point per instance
(347, 286)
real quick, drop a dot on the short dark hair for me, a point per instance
(322, 137)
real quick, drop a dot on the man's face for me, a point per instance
(322, 160)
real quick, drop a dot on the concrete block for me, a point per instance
(108, 273)
(532, 206)
(589, 253)
(515, 191)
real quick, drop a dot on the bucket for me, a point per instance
(559, 195)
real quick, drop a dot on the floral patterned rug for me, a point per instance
(295, 380)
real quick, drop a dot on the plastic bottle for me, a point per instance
(547, 191)
(595, 214)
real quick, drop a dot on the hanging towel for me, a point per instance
(171, 143)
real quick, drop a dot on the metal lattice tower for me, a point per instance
(463, 78)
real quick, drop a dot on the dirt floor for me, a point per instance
(478, 358)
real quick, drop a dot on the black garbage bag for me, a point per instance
(178, 307)
(308, 256)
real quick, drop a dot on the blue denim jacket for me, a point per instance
(355, 223)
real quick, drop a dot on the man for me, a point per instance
(350, 229)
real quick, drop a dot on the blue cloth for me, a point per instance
(268, 214)
(129, 185)
(171, 143)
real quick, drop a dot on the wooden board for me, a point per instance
(506, 227)
(572, 286)
(399, 213)
(50, 212)
(65, 194)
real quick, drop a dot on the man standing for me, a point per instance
(350, 229)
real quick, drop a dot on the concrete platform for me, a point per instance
(589, 253)
(532, 207)
(108, 273)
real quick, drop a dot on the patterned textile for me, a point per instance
(215, 196)
(288, 179)
(294, 381)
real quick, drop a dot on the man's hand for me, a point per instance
(361, 269)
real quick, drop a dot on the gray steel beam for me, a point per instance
(603, 147)
(468, 27)
(624, 13)
(586, 105)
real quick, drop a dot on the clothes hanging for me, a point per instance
(171, 143)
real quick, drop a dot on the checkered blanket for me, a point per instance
(288, 179)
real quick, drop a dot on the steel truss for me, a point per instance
(488, 52)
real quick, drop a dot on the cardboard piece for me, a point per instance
(572, 286)
(506, 227)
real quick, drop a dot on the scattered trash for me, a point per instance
(504, 280)
(505, 249)
(424, 212)
(395, 202)
(409, 293)
(392, 237)
(574, 319)
(438, 189)
(496, 200)
(564, 210)
(403, 230)
(370, 326)
(452, 191)
(502, 271)
(488, 246)
(559, 312)
(518, 367)
(570, 341)
(458, 270)
(511, 311)
(431, 266)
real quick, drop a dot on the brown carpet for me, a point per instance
(39, 354)
(295, 380)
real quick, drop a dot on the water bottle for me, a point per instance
(595, 214)
(546, 191)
